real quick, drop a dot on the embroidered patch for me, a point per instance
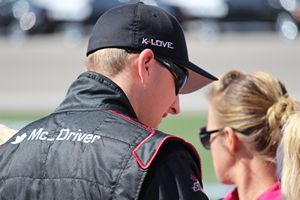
(196, 184)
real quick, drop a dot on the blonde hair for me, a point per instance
(255, 104)
(5, 133)
(291, 158)
(110, 61)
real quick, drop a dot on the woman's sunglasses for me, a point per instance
(205, 136)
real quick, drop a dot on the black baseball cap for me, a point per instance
(139, 26)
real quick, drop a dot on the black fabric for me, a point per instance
(139, 26)
(94, 91)
(170, 175)
(84, 150)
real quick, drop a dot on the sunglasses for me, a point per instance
(205, 136)
(180, 73)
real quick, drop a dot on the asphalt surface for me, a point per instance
(36, 72)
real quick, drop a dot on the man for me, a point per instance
(102, 142)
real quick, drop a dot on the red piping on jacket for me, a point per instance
(130, 119)
(143, 166)
(140, 162)
(155, 153)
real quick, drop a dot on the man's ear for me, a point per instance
(145, 58)
(231, 138)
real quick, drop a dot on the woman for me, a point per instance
(291, 158)
(245, 117)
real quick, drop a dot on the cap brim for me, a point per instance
(197, 78)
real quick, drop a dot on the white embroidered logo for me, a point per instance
(65, 134)
(19, 139)
(158, 43)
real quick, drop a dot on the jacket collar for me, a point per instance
(94, 91)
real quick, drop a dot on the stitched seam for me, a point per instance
(125, 163)
(139, 187)
(58, 178)
(44, 163)
(135, 24)
(77, 110)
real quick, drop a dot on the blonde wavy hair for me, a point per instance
(5, 133)
(110, 61)
(291, 158)
(257, 105)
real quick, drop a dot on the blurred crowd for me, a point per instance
(75, 17)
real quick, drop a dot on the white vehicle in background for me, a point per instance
(68, 16)
(200, 15)
(199, 9)
(66, 10)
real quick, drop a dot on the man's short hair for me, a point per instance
(109, 61)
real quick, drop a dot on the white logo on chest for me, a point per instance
(65, 134)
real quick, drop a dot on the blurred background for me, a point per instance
(43, 44)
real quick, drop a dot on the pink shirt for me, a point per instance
(273, 193)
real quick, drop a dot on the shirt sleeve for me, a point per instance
(173, 175)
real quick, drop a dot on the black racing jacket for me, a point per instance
(93, 147)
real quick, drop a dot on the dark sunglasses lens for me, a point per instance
(205, 141)
(179, 73)
(205, 138)
(181, 80)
